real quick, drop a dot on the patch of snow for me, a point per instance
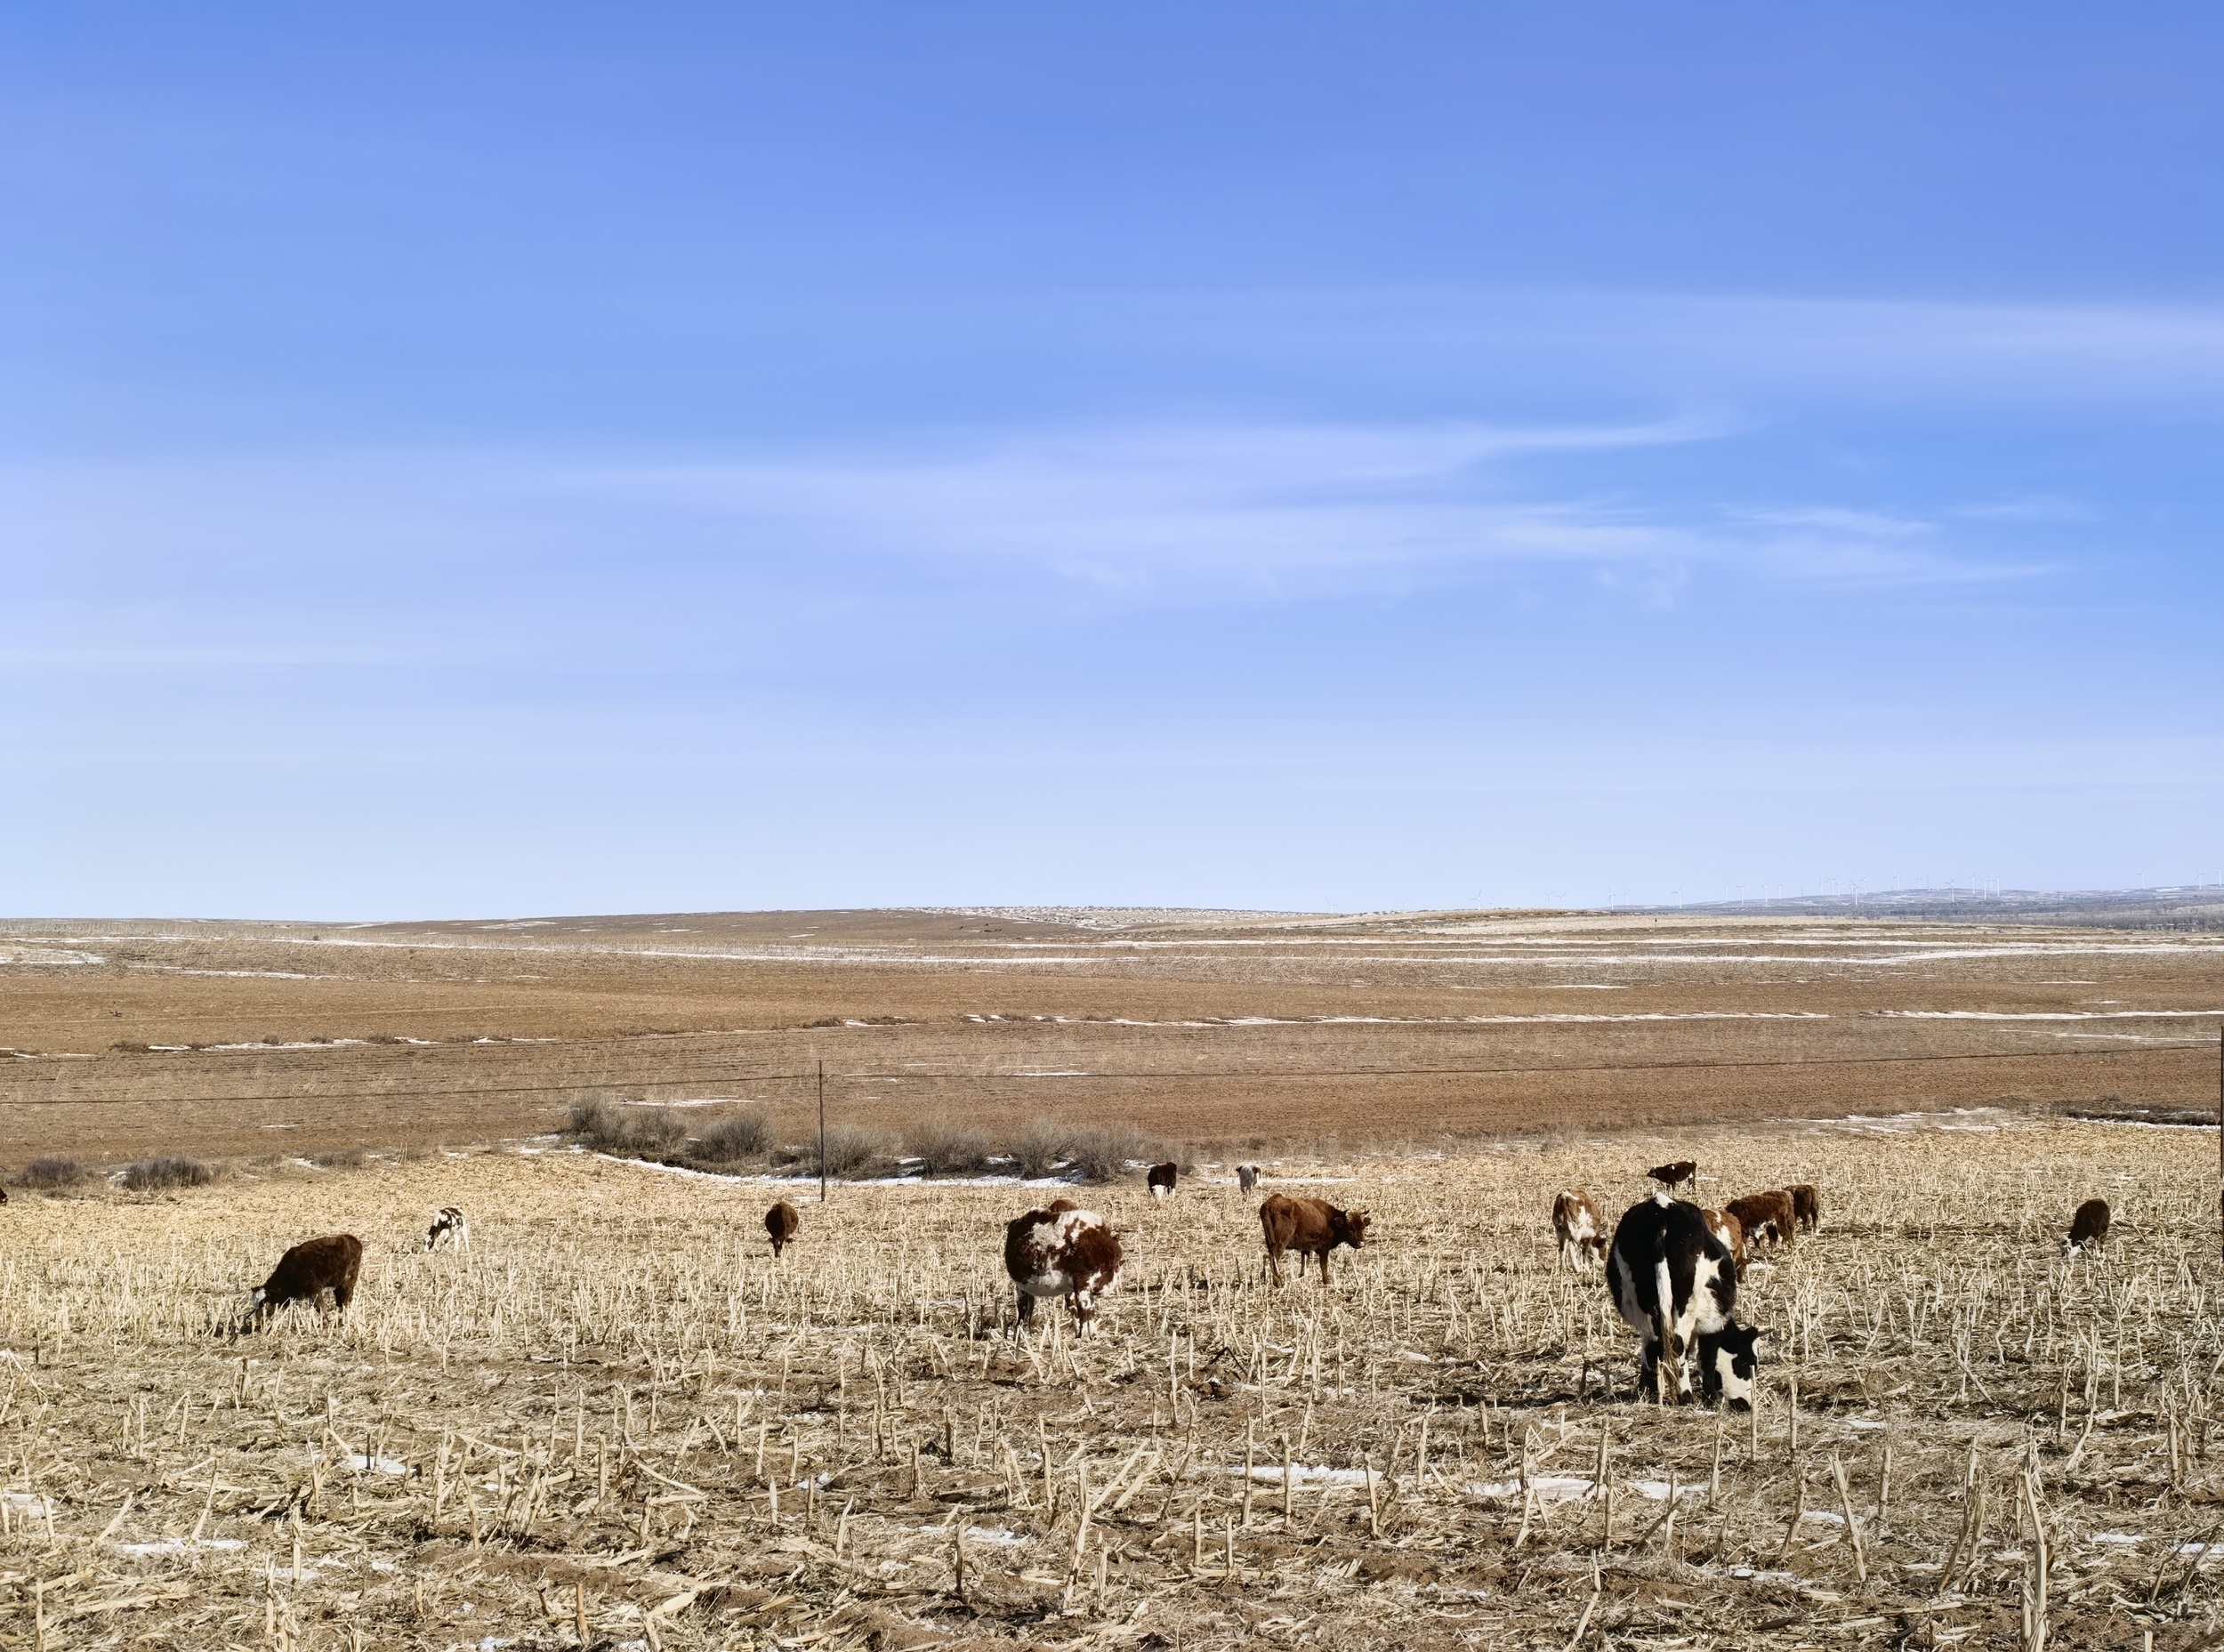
(362, 1463)
(179, 1546)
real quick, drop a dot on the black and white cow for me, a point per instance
(449, 1223)
(1677, 1287)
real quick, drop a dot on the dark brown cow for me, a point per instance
(1581, 1228)
(1673, 1175)
(1310, 1228)
(1062, 1251)
(1731, 1232)
(307, 1272)
(781, 1221)
(1765, 1216)
(1162, 1178)
(2089, 1227)
(1807, 1205)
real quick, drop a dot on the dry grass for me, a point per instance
(617, 1412)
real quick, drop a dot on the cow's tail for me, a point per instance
(1668, 1365)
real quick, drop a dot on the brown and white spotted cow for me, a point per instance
(1764, 1216)
(1807, 1205)
(1062, 1251)
(2088, 1228)
(1731, 1232)
(306, 1272)
(781, 1221)
(1310, 1228)
(1247, 1178)
(1162, 1178)
(448, 1223)
(1581, 1228)
(1674, 1285)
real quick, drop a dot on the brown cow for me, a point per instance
(781, 1221)
(1807, 1205)
(1731, 1232)
(2088, 1228)
(1162, 1178)
(1581, 1228)
(1673, 1175)
(1063, 1251)
(1310, 1228)
(307, 1272)
(1765, 1216)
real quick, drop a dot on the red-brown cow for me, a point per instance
(1310, 1228)
(1673, 1175)
(1581, 1228)
(307, 1272)
(1765, 1216)
(1807, 1205)
(1731, 1232)
(1162, 1178)
(781, 1221)
(1063, 1251)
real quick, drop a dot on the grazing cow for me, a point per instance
(1247, 1178)
(1673, 1175)
(1764, 1216)
(448, 1223)
(1581, 1228)
(1676, 1287)
(307, 1272)
(781, 1221)
(1807, 1205)
(1731, 1232)
(1162, 1178)
(1310, 1228)
(1063, 1251)
(2088, 1228)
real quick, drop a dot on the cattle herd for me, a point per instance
(1671, 1267)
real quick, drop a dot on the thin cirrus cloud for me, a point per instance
(1293, 510)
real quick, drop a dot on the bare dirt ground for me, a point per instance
(616, 1421)
(234, 1039)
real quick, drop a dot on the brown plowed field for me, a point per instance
(225, 1039)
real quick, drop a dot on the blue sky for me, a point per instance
(558, 459)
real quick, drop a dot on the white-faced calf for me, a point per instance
(1580, 1228)
(1675, 1286)
(1247, 1178)
(1063, 1251)
(2088, 1228)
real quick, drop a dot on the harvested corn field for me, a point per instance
(616, 1421)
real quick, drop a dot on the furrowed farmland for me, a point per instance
(615, 1419)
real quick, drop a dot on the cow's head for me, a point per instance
(1349, 1228)
(1729, 1364)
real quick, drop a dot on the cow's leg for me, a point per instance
(1324, 1266)
(1274, 1263)
(1026, 1311)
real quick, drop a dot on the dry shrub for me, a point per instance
(946, 1147)
(734, 1138)
(1105, 1152)
(1040, 1149)
(159, 1175)
(633, 1129)
(338, 1158)
(54, 1171)
(849, 1149)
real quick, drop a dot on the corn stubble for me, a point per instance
(616, 1421)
